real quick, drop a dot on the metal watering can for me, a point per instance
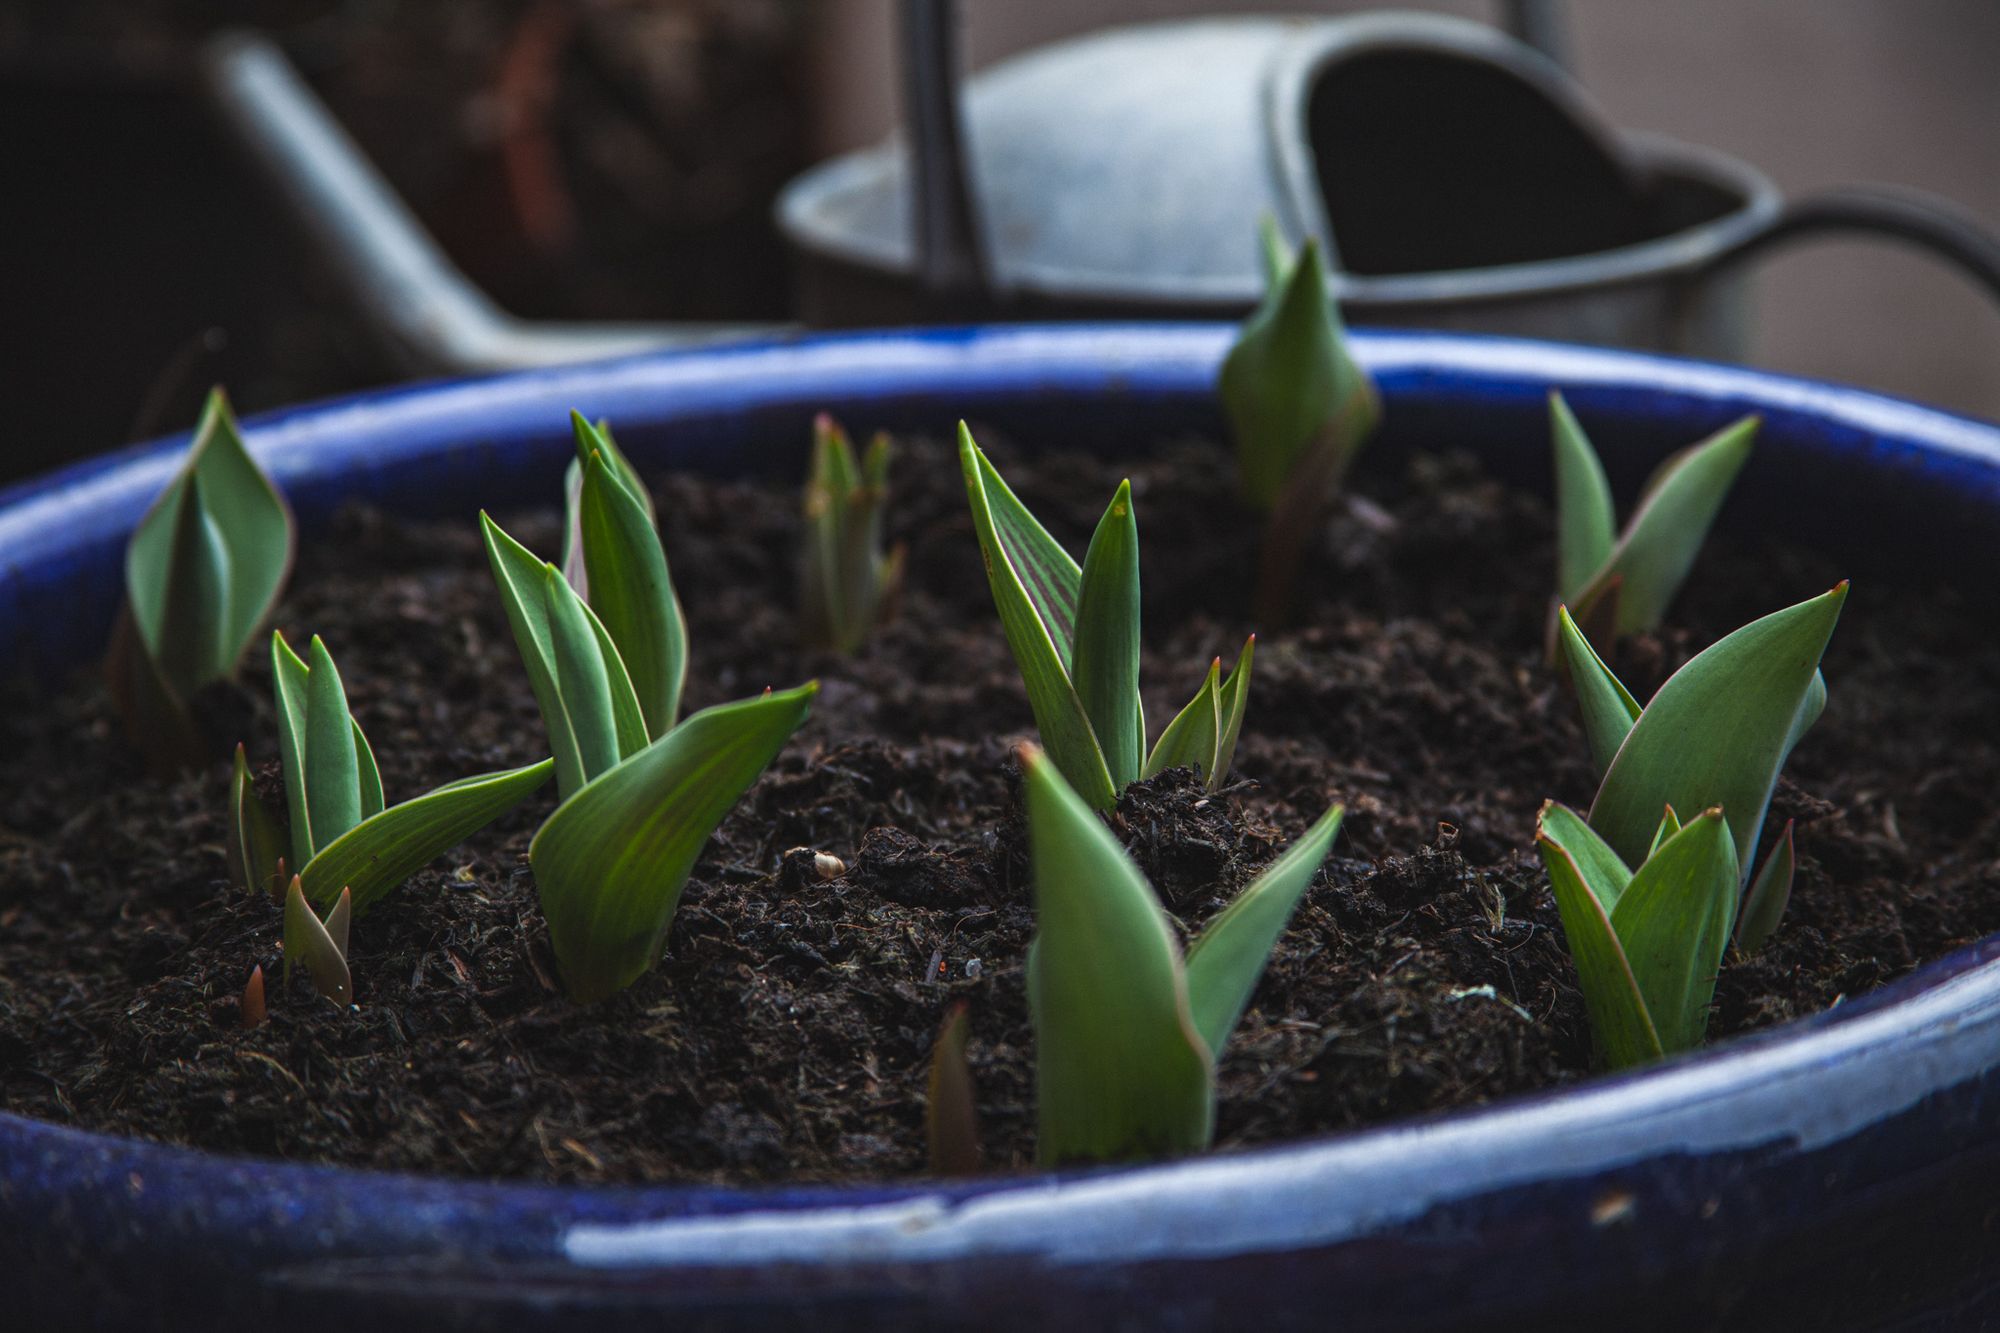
(1457, 177)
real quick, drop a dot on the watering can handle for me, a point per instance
(1937, 225)
(952, 271)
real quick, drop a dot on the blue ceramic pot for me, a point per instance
(1840, 1172)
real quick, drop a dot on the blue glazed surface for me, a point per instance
(1835, 1173)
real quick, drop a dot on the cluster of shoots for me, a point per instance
(641, 790)
(1618, 583)
(1299, 408)
(202, 572)
(848, 581)
(348, 847)
(1651, 884)
(1074, 630)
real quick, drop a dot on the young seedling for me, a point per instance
(951, 1119)
(1714, 738)
(320, 945)
(847, 584)
(1647, 945)
(1075, 635)
(344, 840)
(1127, 1030)
(1621, 584)
(202, 571)
(1298, 405)
(256, 850)
(637, 807)
(250, 1010)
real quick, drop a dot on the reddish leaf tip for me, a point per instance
(251, 1006)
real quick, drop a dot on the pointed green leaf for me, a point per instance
(255, 524)
(1120, 1071)
(1036, 587)
(380, 853)
(593, 439)
(1105, 663)
(1603, 872)
(610, 863)
(846, 582)
(1718, 731)
(289, 677)
(370, 776)
(332, 769)
(190, 643)
(1585, 523)
(255, 842)
(1190, 740)
(1235, 698)
(230, 583)
(339, 920)
(632, 593)
(1670, 824)
(1619, 1022)
(1288, 381)
(1011, 536)
(1770, 893)
(1608, 708)
(825, 591)
(521, 578)
(307, 941)
(1223, 965)
(1673, 923)
(518, 573)
(581, 677)
(1665, 534)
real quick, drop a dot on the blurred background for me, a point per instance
(619, 159)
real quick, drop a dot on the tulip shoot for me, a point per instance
(1074, 631)
(1127, 1029)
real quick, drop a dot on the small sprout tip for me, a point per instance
(251, 1008)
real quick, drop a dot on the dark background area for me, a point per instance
(600, 159)
(577, 160)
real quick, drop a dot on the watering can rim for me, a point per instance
(807, 210)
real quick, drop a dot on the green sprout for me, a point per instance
(637, 804)
(1127, 1030)
(1714, 738)
(1621, 584)
(847, 584)
(202, 571)
(321, 945)
(1299, 408)
(344, 839)
(1075, 635)
(255, 852)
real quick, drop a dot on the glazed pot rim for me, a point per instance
(1794, 1087)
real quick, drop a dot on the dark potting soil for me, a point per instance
(786, 1033)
